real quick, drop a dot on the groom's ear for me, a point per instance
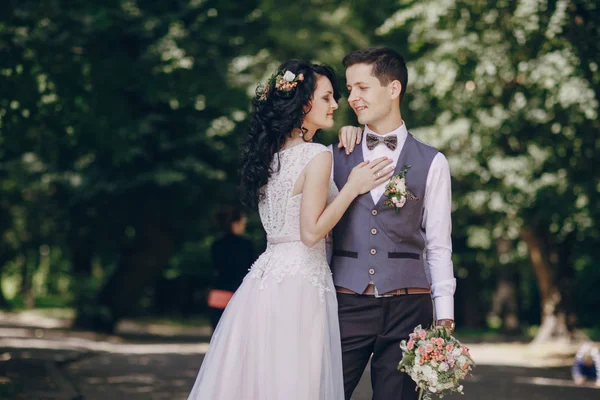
(395, 88)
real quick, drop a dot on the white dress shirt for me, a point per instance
(437, 222)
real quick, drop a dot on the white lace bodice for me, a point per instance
(280, 216)
(279, 210)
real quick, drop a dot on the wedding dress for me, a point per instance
(279, 338)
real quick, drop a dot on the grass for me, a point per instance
(17, 303)
(593, 333)
(489, 335)
(60, 313)
(495, 335)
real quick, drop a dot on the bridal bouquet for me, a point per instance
(436, 361)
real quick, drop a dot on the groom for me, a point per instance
(388, 261)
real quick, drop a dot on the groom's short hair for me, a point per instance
(388, 65)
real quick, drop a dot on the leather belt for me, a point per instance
(370, 291)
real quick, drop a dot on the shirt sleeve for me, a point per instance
(437, 224)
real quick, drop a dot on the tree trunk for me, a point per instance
(505, 300)
(140, 264)
(29, 266)
(81, 264)
(469, 289)
(4, 304)
(554, 317)
(505, 305)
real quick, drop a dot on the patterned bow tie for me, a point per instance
(373, 140)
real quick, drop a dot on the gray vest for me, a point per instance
(374, 243)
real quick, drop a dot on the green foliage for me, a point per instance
(127, 115)
(509, 91)
(120, 123)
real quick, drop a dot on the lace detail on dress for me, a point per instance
(280, 216)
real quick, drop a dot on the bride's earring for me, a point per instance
(302, 130)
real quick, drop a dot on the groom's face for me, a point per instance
(371, 101)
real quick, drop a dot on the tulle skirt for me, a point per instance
(279, 341)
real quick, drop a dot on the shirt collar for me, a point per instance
(400, 131)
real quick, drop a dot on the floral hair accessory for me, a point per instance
(284, 82)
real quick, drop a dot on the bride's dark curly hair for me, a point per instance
(275, 114)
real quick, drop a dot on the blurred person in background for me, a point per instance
(587, 364)
(232, 255)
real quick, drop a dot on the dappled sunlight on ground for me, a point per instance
(541, 381)
(33, 318)
(524, 355)
(117, 348)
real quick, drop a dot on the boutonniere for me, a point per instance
(397, 192)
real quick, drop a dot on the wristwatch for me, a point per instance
(447, 323)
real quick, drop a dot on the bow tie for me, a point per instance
(373, 140)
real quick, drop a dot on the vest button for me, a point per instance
(371, 271)
(374, 212)
(373, 251)
(374, 231)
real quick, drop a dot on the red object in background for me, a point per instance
(219, 298)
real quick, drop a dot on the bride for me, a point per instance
(279, 337)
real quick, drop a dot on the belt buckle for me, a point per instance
(379, 296)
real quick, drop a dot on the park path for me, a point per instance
(41, 360)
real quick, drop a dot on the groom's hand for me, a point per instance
(446, 323)
(348, 137)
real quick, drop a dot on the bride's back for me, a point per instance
(279, 210)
